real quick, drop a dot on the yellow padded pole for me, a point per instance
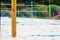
(13, 5)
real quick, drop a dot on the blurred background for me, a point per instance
(45, 9)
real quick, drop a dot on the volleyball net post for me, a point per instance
(13, 10)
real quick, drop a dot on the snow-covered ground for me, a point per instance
(30, 29)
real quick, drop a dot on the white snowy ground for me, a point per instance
(30, 29)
